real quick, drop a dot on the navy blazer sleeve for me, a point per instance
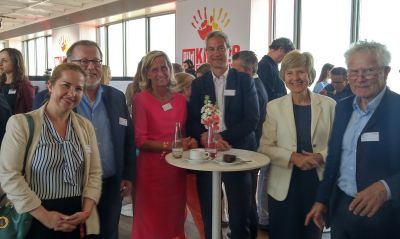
(40, 99)
(123, 136)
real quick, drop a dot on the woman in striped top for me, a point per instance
(62, 183)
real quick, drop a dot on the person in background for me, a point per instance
(160, 197)
(105, 107)
(136, 86)
(177, 68)
(268, 70)
(246, 61)
(338, 89)
(323, 79)
(106, 75)
(204, 68)
(183, 86)
(239, 118)
(14, 84)
(5, 113)
(295, 137)
(188, 66)
(361, 185)
(62, 184)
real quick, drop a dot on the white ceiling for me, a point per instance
(18, 13)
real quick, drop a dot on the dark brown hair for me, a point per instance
(18, 71)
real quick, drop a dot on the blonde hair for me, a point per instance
(148, 60)
(183, 80)
(57, 72)
(105, 75)
(297, 59)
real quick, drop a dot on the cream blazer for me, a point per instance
(12, 157)
(278, 140)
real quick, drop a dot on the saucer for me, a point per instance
(222, 162)
(196, 160)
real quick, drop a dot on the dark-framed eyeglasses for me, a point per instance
(86, 62)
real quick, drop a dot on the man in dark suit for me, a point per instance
(361, 184)
(235, 94)
(246, 61)
(268, 67)
(105, 107)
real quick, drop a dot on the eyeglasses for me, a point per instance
(86, 62)
(367, 73)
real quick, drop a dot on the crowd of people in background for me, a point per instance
(333, 153)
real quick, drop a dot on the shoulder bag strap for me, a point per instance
(28, 145)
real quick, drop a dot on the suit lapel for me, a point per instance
(287, 109)
(209, 88)
(230, 85)
(379, 112)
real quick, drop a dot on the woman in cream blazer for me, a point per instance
(55, 118)
(295, 137)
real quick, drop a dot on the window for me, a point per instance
(50, 57)
(103, 42)
(162, 34)
(374, 19)
(135, 44)
(41, 56)
(31, 58)
(115, 49)
(326, 33)
(124, 44)
(284, 18)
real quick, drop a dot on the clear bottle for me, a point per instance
(177, 148)
(211, 146)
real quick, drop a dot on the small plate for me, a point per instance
(196, 160)
(237, 161)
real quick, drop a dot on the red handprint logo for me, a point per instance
(205, 25)
(63, 42)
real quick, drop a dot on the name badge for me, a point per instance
(12, 91)
(123, 121)
(370, 137)
(88, 148)
(167, 106)
(229, 92)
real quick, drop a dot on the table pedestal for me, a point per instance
(216, 205)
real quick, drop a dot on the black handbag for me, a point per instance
(12, 224)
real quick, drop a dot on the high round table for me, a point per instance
(247, 160)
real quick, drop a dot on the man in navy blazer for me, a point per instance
(235, 94)
(106, 108)
(361, 184)
(246, 61)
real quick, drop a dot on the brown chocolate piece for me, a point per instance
(229, 158)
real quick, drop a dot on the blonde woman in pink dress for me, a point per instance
(160, 196)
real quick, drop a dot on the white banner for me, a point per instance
(196, 18)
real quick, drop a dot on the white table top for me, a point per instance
(252, 160)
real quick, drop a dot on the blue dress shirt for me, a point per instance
(358, 120)
(97, 114)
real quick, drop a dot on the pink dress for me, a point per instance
(160, 187)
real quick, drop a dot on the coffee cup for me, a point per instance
(198, 154)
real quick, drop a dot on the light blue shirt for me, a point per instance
(98, 115)
(347, 179)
